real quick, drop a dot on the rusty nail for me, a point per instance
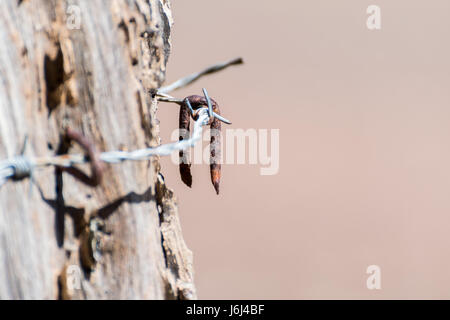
(190, 105)
(97, 166)
(186, 112)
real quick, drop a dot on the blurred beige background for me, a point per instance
(364, 148)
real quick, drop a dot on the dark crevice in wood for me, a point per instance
(54, 79)
(124, 27)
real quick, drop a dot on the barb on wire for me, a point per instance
(168, 98)
(208, 100)
(195, 76)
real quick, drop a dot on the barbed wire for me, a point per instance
(183, 82)
(21, 166)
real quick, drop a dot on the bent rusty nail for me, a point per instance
(215, 151)
(193, 104)
(186, 112)
(97, 166)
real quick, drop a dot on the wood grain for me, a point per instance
(123, 236)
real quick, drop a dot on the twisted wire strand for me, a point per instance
(181, 83)
(20, 167)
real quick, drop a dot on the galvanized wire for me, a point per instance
(195, 76)
(21, 166)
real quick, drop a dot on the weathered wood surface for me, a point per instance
(121, 240)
